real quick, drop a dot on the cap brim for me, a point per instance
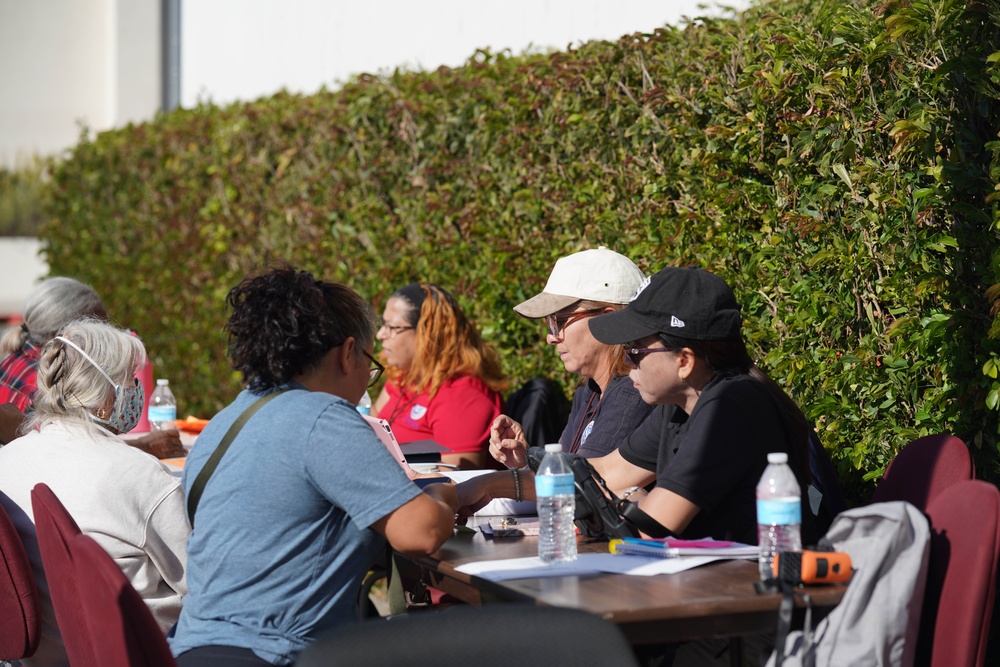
(544, 304)
(618, 328)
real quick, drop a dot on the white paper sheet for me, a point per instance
(529, 568)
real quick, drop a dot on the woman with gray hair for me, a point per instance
(53, 304)
(129, 502)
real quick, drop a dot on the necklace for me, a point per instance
(400, 407)
(575, 444)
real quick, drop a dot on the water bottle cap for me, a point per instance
(553, 447)
(777, 457)
(160, 381)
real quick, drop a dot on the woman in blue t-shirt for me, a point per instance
(306, 496)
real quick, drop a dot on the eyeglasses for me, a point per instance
(394, 330)
(375, 372)
(556, 323)
(634, 355)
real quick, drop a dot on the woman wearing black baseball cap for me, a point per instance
(720, 414)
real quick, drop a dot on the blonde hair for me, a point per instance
(448, 345)
(70, 388)
(615, 353)
(53, 304)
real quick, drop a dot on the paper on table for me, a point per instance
(532, 567)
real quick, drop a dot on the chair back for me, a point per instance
(923, 469)
(530, 636)
(19, 606)
(55, 529)
(117, 617)
(541, 408)
(961, 579)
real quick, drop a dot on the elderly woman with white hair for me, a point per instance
(129, 502)
(52, 304)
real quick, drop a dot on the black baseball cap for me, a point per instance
(686, 303)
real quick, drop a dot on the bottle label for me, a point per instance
(553, 485)
(162, 413)
(779, 512)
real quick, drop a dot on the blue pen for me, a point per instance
(649, 543)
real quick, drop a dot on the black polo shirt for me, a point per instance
(715, 456)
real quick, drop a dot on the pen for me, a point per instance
(649, 543)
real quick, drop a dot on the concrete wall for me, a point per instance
(21, 267)
(67, 62)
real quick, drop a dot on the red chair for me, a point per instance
(923, 469)
(961, 578)
(19, 611)
(55, 529)
(117, 617)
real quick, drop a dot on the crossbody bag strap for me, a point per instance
(213, 461)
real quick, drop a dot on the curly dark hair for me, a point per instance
(284, 322)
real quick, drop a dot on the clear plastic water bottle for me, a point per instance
(162, 407)
(556, 506)
(779, 512)
(365, 404)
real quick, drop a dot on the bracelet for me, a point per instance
(629, 491)
(518, 491)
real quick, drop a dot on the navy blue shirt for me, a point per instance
(599, 423)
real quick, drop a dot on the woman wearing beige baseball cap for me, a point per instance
(606, 407)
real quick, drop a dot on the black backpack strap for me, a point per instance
(639, 519)
(213, 461)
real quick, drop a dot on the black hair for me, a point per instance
(414, 295)
(284, 322)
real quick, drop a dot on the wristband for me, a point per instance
(518, 490)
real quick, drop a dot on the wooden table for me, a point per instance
(714, 600)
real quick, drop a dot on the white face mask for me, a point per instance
(128, 404)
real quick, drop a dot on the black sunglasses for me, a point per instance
(634, 355)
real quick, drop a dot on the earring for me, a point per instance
(102, 413)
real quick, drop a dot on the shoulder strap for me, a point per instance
(213, 461)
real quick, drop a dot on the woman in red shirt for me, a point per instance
(444, 381)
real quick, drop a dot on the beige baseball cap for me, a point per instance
(597, 274)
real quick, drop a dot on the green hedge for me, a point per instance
(833, 160)
(21, 193)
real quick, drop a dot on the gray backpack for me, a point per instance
(889, 546)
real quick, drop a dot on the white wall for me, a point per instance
(98, 62)
(22, 268)
(244, 49)
(66, 62)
